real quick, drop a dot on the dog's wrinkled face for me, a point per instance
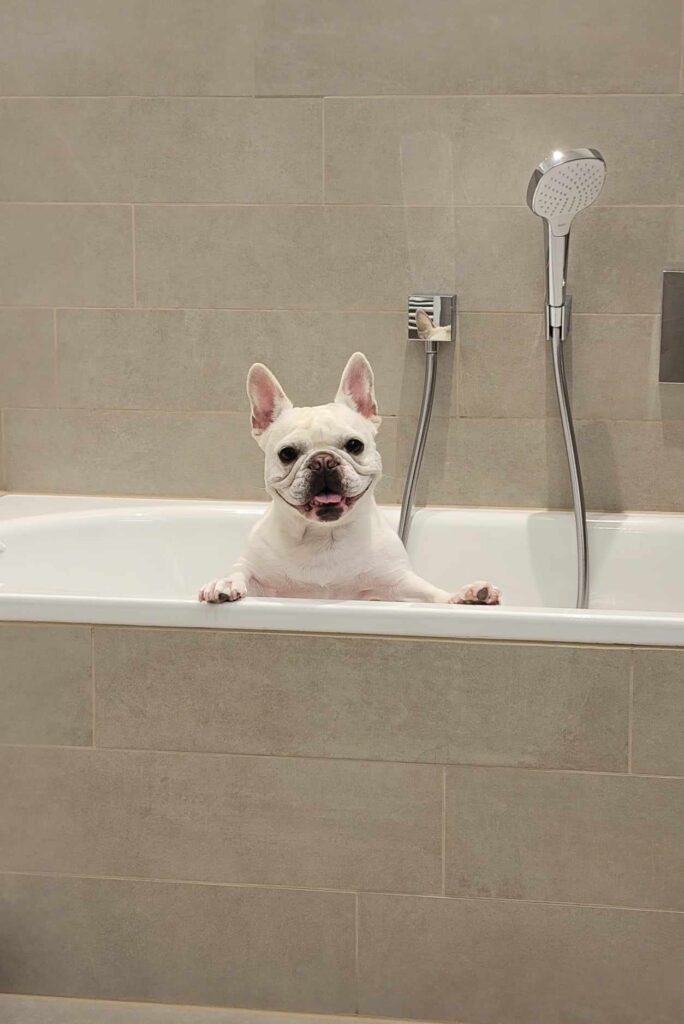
(321, 460)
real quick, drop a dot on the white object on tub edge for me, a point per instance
(141, 562)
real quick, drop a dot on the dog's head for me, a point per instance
(320, 461)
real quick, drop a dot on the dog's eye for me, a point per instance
(287, 454)
(354, 446)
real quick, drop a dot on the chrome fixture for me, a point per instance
(672, 328)
(431, 319)
(560, 187)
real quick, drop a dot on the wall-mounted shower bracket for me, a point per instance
(432, 320)
(559, 316)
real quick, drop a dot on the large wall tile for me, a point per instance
(146, 453)
(291, 257)
(131, 47)
(198, 359)
(45, 684)
(323, 47)
(626, 464)
(512, 963)
(202, 944)
(618, 256)
(517, 463)
(600, 344)
(629, 464)
(272, 821)
(504, 367)
(577, 838)
(385, 699)
(161, 150)
(658, 712)
(499, 259)
(27, 357)
(482, 150)
(65, 256)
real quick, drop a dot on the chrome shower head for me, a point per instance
(560, 187)
(565, 184)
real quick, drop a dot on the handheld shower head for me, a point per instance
(560, 187)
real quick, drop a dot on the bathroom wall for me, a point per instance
(189, 185)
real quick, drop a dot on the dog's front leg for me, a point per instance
(226, 588)
(412, 587)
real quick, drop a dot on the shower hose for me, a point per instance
(573, 467)
(421, 439)
(570, 450)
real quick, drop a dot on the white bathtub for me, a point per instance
(140, 562)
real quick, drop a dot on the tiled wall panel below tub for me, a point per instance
(447, 830)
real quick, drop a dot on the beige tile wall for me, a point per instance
(189, 185)
(443, 830)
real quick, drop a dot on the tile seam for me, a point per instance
(243, 205)
(630, 712)
(356, 893)
(444, 781)
(334, 758)
(133, 254)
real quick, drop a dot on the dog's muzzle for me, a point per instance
(326, 487)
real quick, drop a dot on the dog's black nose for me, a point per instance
(324, 461)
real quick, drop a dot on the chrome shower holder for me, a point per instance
(565, 316)
(432, 320)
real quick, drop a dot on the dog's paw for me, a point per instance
(479, 592)
(228, 588)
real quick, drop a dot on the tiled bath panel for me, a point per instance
(437, 830)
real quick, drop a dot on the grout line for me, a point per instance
(630, 711)
(55, 353)
(153, 751)
(135, 280)
(323, 182)
(355, 97)
(342, 311)
(409, 415)
(92, 685)
(341, 892)
(357, 978)
(227, 204)
(681, 51)
(444, 776)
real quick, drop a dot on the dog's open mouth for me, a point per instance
(327, 506)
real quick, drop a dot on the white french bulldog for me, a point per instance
(323, 535)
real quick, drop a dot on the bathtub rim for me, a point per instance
(299, 616)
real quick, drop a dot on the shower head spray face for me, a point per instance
(561, 187)
(565, 184)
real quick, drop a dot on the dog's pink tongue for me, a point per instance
(327, 499)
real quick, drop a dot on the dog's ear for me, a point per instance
(424, 324)
(357, 388)
(266, 398)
